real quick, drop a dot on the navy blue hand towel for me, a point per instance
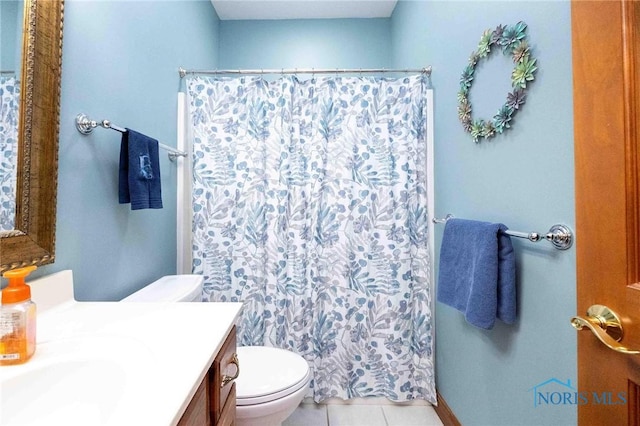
(477, 274)
(139, 172)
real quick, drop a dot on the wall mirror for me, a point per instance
(32, 239)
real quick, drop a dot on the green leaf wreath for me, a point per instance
(513, 42)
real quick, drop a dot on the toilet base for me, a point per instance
(271, 413)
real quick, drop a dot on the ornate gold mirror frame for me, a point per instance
(33, 241)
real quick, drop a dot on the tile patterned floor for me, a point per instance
(309, 414)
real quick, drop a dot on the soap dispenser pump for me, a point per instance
(17, 319)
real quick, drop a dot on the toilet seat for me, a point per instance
(268, 374)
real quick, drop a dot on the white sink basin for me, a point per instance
(89, 403)
(90, 374)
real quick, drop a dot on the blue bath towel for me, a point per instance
(477, 273)
(139, 172)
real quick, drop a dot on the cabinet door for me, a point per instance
(197, 413)
(225, 368)
(228, 414)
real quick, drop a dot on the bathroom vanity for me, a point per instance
(214, 403)
(109, 363)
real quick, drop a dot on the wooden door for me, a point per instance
(605, 36)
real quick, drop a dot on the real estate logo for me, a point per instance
(554, 392)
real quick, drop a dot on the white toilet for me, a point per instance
(170, 288)
(272, 381)
(271, 384)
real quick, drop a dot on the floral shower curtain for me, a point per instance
(309, 206)
(9, 108)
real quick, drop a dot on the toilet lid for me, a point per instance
(170, 288)
(268, 373)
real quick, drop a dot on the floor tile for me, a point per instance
(411, 416)
(308, 415)
(356, 415)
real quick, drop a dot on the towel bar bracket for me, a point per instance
(84, 124)
(560, 236)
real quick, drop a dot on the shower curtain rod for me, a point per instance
(426, 70)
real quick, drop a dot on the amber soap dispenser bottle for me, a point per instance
(17, 319)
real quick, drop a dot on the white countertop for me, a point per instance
(109, 363)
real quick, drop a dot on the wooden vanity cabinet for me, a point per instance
(197, 413)
(223, 386)
(213, 403)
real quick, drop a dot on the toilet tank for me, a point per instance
(170, 288)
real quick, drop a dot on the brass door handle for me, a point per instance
(227, 379)
(606, 325)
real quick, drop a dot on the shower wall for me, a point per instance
(523, 178)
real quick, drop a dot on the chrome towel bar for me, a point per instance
(559, 235)
(85, 126)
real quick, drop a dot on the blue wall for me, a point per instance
(523, 178)
(312, 43)
(11, 16)
(120, 62)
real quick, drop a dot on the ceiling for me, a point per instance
(303, 9)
